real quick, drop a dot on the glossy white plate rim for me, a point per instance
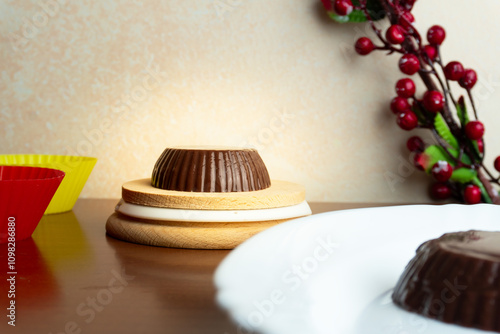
(333, 272)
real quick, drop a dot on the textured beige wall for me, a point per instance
(121, 80)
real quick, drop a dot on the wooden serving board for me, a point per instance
(193, 235)
(279, 194)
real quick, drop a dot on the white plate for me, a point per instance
(334, 272)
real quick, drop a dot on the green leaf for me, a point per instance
(465, 158)
(435, 153)
(484, 193)
(444, 131)
(476, 148)
(462, 111)
(463, 116)
(374, 7)
(463, 175)
(356, 16)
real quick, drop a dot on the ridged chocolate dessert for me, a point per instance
(455, 279)
(210, 170)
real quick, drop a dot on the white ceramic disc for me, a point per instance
(154, 213)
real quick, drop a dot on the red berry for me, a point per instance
(400, 105)
(469, 79)
(472, 194)
(364, 46)
(343, 7)
(406, 20)
(407, 120)
(454, 71)
(497, 164)
(328, 5)
(440, 191)
(433, 101)
(436, 35)
(421, 161)
(442, 171)
(409, 64)
(480, 146)
(405, 88)
(431, 52)
(474, 130)
(415, 144)
(395, 34)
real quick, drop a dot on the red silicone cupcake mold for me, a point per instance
(25, 193)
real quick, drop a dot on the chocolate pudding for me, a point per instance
(455, 279)
(210, 170)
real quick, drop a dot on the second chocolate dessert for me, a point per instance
(455, 279)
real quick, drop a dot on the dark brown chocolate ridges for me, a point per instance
(210, 170)
(455, 279)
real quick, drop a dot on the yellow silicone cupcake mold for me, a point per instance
(77, 171)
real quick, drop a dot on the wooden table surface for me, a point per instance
(72, 278)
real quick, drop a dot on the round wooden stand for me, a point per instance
(184, 234)
(198, 235)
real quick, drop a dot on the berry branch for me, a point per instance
(456, 160)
